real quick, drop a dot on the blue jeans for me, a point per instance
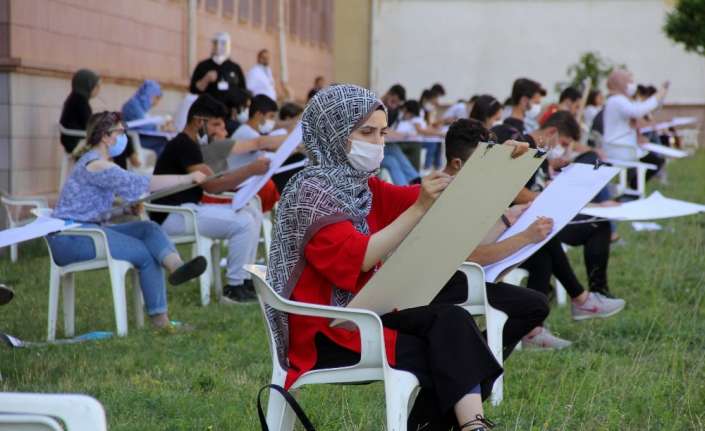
(142, 243)
(398, 165)
(433, 155)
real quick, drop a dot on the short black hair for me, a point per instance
(207, 106)
(463, 136)
(592, 97)
(263, 104)
(237, 98)
(473, 98)
(485, 107)
(398, 90)
(565, 122)
(412, 106)
(570, 93)
(525, 87)
(438, 89)
(427, 94)
(645, 90)
(290, 110)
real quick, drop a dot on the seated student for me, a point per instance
(88, 196)
(593, 106)
(85, 85)
(550, 259)
(524, 107)
(526, 309)
(335, 224)
(182, 155)
(237, 102)
(487, 110)
(413, 124)
(395, 161)
(260, 121)
(569, 101)
(619, 116)
(289, 115)
(458, 110)
(145, 98)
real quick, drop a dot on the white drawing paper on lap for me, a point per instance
(567, 194)
(277, 159)
(655, 207)
(460, 218)
(665, 151)
(38, 228)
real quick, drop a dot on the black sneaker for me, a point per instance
(237, 295)
(6, 294)
(188, 271)
(250, 287)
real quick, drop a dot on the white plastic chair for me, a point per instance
(400, 387)
(517, 275)
(77, 412)
(146, 156)
(641, 168)
(66, 158)
(61, 279)
(10, 202)
(209, 248)
(478, 305)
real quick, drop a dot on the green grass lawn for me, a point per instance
(641, 370)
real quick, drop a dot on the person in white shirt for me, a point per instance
(413, 124)
(459, 110)
(260, 79)
(593, 106)
(620, 115)
(261, 121)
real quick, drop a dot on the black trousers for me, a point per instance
(551, 260)
(442, 346)
(595, 239)
(652, 158)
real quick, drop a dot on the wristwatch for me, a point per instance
(505, 220)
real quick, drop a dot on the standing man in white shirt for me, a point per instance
(260, 79)
(620, 115)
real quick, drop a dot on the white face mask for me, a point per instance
(533, 111)
(266, 127)
(631, 89)
(428, 107)
(497, 123)
(556, 152)
(243, 116)
(364, 156)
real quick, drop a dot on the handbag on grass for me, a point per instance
(308, 426)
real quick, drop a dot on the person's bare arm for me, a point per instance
(487, 254)
(384, 242)
(210, 76)
(157, 182)
(525, 196)
(232, 180)
(428, 131)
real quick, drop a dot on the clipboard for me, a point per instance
(215, 154)
(456, 223)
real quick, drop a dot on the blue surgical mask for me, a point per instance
(119, 146)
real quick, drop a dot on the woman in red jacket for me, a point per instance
(336, 223)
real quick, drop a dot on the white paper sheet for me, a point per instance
(415, 273)
(38, 228)
(156, 120)
(665, 151)
(654, 207)
(675, 122)
(562, 200)
(244, 194)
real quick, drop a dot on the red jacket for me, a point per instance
(334, 256)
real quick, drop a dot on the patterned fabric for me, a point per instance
(88, 196)
(328, 190)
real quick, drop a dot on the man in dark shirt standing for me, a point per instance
(241, 228)
(217, 75)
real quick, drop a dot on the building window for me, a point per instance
(212, 6)
(303, 21)
(327, 21)
(257, 12)
(244, 10)
(228, 8)
(293, 17)
(272, 14)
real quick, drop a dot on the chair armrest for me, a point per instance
(631, 164)
(100, 240)
(34, 201)
(188, 214)
(72, 132)
(372, 352)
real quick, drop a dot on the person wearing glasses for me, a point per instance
(87, 198)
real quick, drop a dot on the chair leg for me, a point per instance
(117, 281)
(217, 279)
(279, 415)
(54, 288)
(495, 321)
(267, 234)
(13, 253)
(203, 248)
(139, 301)
(68, 292)
(561, 296)
(400, 390)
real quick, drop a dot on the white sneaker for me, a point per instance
(597, 305)
(544, 340)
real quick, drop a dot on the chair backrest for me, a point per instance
(72, 132)
(78, 412)
(15, 422)
(10, 202)
(268, 298)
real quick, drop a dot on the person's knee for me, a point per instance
(537, 306)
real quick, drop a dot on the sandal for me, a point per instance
(480, 423)
(188, 271)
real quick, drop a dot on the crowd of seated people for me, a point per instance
(357, 218)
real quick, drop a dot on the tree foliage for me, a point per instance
(686, 25)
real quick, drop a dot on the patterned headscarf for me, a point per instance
(328, 191)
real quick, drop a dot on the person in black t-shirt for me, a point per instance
(218, 74)
(241, 228)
